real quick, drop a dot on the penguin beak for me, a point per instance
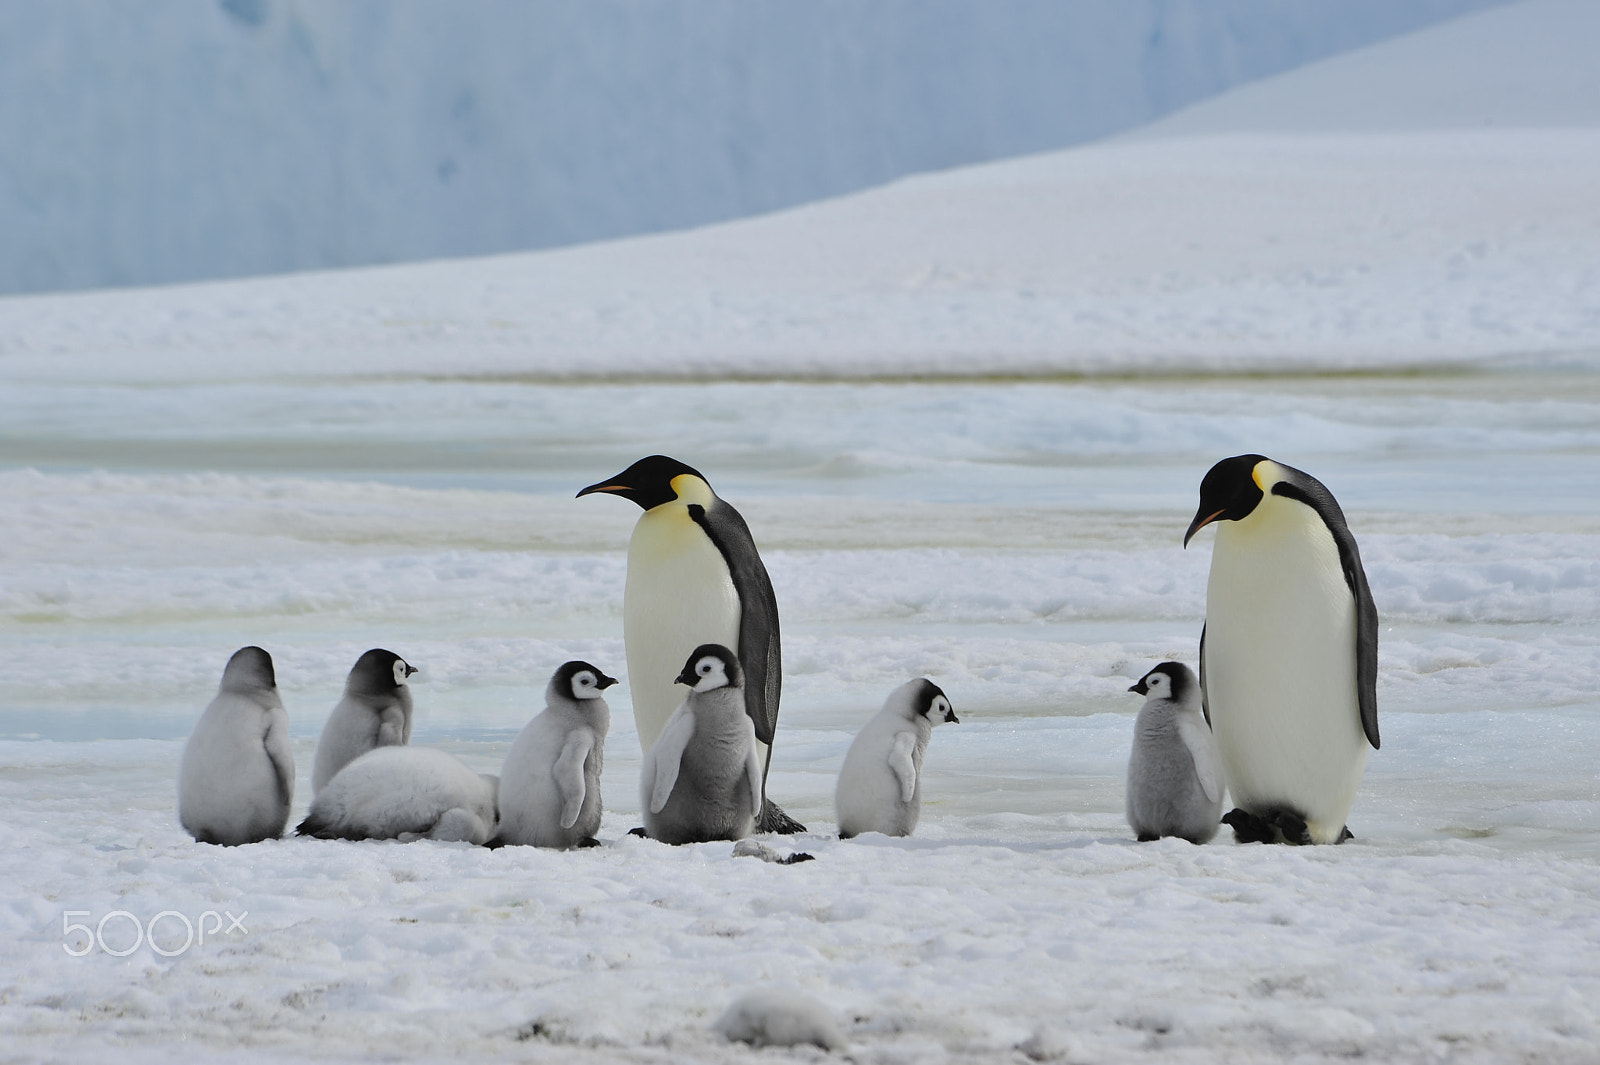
(687, 677)
(410, 669)
(1198, 524)
(620, 489)
(603, 682)
(953, 719)
(1140, 688)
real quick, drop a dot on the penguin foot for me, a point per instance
(1292, 828)
(1278, 825)
(639, 831)
(494, 844)
(587, 841)
(796, 858)
(1248, 828)
(775, 821)
(1344, 834)
(1147, 837)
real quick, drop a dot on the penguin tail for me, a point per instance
(775, 821)
(320, 827)
(316, 828)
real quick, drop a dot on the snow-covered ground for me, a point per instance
(183, 471)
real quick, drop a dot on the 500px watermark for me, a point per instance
(173, 923)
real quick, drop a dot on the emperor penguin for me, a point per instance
(375, 712)
(405, 793)
(880, 784)
(1288, 653)
(550, 784)
(1175, 780)
(695, 577)
(236, 780)
(701, 779)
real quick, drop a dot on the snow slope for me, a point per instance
(216, 138)
(1447, 241)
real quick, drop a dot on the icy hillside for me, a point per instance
(143, 144)
(1470, 235)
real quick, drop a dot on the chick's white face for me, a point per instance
(585, 685)
(401, 671)
(1160, 686)
(939, 711)
(712, 674)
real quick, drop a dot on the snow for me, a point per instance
(217, 138)
(780, 1017)
(1376, 241)
(187, 470)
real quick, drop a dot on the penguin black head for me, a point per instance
(931, 702)
(1229, 491)
(250, 669)
(1169, 680)
(648, 482)
(711, 666)
(378, 671)
(579, 680)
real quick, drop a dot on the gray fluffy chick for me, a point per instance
(1175, 777)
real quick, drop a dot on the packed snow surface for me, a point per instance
(187, 471)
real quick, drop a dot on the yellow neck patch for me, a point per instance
(691, 489)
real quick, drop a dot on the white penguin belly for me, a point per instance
(1280, 666)
(678, 596)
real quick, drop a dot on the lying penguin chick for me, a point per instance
(550, 785)
(1175, 779)
(405, 793)
(237, 777)
(880, 785)
(701, 779)
(375, 712)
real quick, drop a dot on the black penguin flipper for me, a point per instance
(1205, 703)
(759, 653)
(1308, 490)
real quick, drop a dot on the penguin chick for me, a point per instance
(880, 784)
(405, 793)
(375, 712)
(701, 779)
(1175, 781)
(236, 780)
(550, 785)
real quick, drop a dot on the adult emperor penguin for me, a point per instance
(880, 783)
(237, 777)
(1288, 653)
(701, 779)
(405, 793)
(695, 577)
(1175, 781)
(550, 785)
(375, 712)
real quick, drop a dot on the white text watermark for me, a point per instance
(176, 932)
